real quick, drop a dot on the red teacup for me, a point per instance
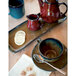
(33, 22)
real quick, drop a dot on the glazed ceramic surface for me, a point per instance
(30, 35)
(33, 22)
(60, 63)
(49, 10)
(50, 49)
(16, 8)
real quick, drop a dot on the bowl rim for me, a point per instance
(46, 58)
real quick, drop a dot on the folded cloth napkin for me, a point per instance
(23, 63)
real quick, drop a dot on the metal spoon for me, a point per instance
(41, 60)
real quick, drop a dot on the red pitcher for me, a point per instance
(49, 10)
(33, 22)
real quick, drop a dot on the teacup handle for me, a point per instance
(39, 40)
(66, 7)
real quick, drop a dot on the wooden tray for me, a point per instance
(30, 35)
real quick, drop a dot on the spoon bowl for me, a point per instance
(37, 58)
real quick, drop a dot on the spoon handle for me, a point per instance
(56, 68)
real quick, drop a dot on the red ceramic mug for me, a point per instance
(33, 22)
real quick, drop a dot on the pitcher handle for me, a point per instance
(66, 7)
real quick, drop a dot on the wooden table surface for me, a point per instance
(59, 32)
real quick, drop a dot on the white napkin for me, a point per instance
(23, 63)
